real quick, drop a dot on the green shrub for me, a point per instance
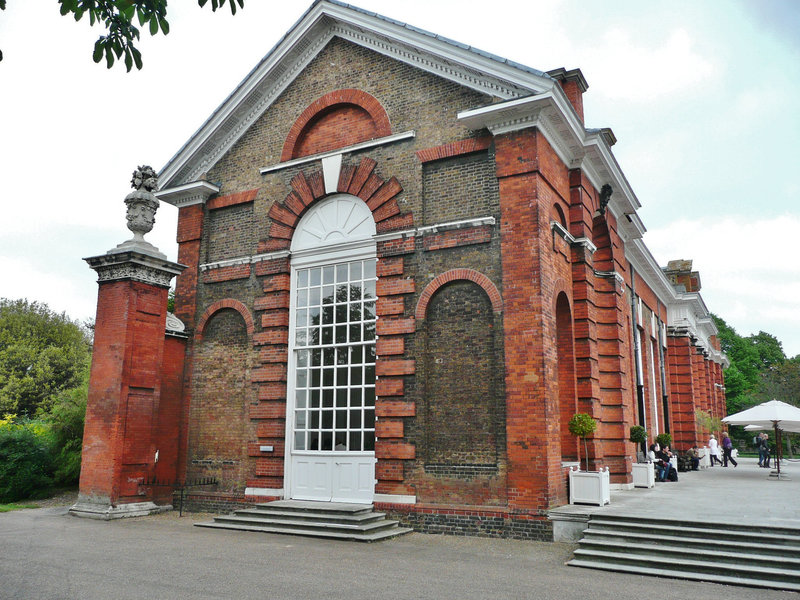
(638, 434)
(664, 439)
(26, 460)
(66, 419)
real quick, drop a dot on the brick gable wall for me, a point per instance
(494, 284)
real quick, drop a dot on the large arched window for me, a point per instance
(332, 332)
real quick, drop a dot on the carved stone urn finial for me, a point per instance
(142, 204)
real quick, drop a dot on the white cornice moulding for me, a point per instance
(196, 192)
(389, 139)
(244, 260)
(450, 60)
(557, 120)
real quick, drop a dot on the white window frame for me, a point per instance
(343, 250)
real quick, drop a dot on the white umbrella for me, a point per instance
(768, 413)
(782, 427)
(775, 414)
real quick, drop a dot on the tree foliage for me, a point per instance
(117, 18)
(26, 461)
(42, 354)
(759, 370)
(65, 421)
(582, 425)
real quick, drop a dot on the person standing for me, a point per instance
(713, 450)
(727, 447)
(764, 453)
(757, 445)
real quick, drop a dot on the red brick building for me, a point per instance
(408, 264)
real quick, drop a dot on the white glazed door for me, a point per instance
(332, 413)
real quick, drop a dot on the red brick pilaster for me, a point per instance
(122, 432)
(392, 410)
(683, 390)
(532, 472)
(270, 411)
(190, 232)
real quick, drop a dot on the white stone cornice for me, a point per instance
(552, 114)
(407, 53)
(324, 20)
(389, 139)
(646, 267)
(617, 277)
(586, 243)
(450, 225)
(244, 260)
(196, 192)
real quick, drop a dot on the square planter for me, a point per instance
(589, 487)
(705, 457)
(644, 475)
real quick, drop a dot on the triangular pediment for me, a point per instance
(323, 21)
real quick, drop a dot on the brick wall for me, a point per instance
(459, 188)
(461, 418)
(221, 392)
(230, 233)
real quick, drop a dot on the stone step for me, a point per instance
(375, 536)
(308, 516)
(753, 545)
(760, 556)
(695, 524)
(768, 535)
(301, 524)
(338, 520)
(314, 506)
(704, 567)
(662, 572)
(683, 554)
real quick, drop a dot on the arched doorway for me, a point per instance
(567, 397)
(330, 421)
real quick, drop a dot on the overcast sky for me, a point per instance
(702, 96)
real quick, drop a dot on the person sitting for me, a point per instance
(670, 472)
(694, 458)
(658, 463)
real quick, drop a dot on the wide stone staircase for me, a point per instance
(744, 555)
(335, 520)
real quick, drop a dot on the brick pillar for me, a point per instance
(121, 435)
(535, 479)
(683, 386)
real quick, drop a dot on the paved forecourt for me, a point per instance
(738, 495)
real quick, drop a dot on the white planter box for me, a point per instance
(705, 457)
(589, 487)
(644, 475)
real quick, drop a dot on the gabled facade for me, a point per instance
(408, 264)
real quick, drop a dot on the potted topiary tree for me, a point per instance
(643, 471)
(664, 439)
(587, 487)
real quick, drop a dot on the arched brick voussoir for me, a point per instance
(560, 285)
(218, 306)
(361, 181)
(455, 275)
(344, 96)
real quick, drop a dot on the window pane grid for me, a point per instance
(334, 347)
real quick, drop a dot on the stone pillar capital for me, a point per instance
(133, 265)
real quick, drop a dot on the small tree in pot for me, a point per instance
(664, 439)
(638, 435)
(582, 425)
